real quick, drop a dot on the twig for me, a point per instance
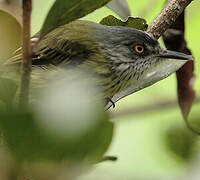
(108, 158)
(167, 17)
(26, 64)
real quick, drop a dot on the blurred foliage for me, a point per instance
(63, 12)
(28, 142)
(12, 7)
(10, 35)
(7, 90)
(64, 125)
(137, 23)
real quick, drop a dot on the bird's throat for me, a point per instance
(153, 74)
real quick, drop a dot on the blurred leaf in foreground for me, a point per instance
(10, 35)
(6, 164)
(13, 7)
(63, 12)
(120, 7)
(137, 23)
(67, 124)
(8, 90)
(26, 140)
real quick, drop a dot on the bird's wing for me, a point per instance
(16, 56)
(59, 50)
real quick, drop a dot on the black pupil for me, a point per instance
(139, 48)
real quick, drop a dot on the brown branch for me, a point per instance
(26, 64)
(167, 17)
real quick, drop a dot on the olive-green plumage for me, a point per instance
(119, 56)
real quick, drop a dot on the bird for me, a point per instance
(124, 59)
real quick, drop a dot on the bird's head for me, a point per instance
(137, 57)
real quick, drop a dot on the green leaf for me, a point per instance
(27, 141)
(8, 90)
(112, 21)
(10, 35)
(103, 136)
(137, 23)
(12, 7)
(63, 12)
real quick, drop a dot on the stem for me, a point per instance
(167, 17)
(109, 158)
(26, 63)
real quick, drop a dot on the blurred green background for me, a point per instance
(140, 139)
(151, 142)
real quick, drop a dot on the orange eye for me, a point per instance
(139, 49)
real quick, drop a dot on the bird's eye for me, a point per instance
(138, 49)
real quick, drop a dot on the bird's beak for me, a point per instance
(175, 55)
